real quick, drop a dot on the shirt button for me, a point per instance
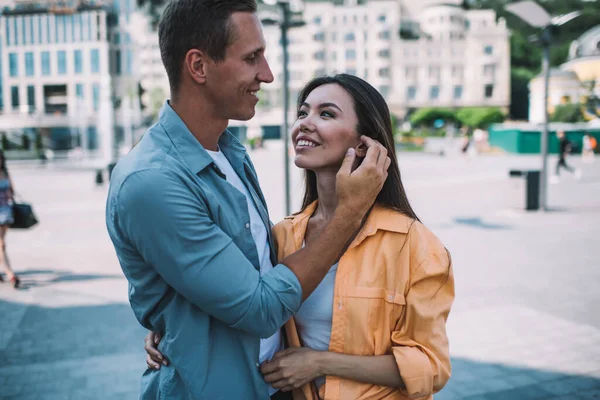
(390, 297)
(247, 226)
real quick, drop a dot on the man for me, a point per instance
(564, 149)
(189, 222)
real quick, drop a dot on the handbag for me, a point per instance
(23, 216)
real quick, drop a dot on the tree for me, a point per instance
(570, 112)
(427, 116)
(479, 117)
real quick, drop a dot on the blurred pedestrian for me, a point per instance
(565, 147)
(6, 218)
(589, 145)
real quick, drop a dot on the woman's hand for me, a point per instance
(154, 357)
(291, 368)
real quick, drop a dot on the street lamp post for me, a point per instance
(285, 23)
(285, 8)
(534, 15)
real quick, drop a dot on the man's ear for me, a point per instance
(196, 65)
(361, 150)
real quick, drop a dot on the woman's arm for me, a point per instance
(291, 368)
(376, 370)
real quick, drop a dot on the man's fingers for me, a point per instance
(157, 338)
(151, 363)
(388, 162)
(346, 167)
(373, 151)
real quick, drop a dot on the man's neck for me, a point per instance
(201, 121)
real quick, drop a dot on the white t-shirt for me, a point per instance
(271, 345)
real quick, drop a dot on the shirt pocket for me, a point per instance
(375, 311)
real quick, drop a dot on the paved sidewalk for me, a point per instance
(525, 324)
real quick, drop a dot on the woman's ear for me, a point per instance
(361, 150)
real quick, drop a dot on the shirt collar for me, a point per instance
(380, 218)
(192, 152)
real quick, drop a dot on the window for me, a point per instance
(13, 63)
(319, 37)
(410, 72)
(434, 92)
(489, 70)
(78, 57)
(320, 72)
(351, 71)
(385, 35)
(457, 71)
(31, 97)
(349, 37)
(467, 24)
(117, 38)
(411, 92)
(384, 53)
(489, 91)
(333, 56)
(434, 72)
(333, 36)
(62, 62)
(129, 62)
(366, 36)
(95, 60)
(29, 69)
(317, 21)
(489, 50)
(8, 30)
(118, 66)
(45, 63)
(384, 72)
(458, 90)
(381, 18)
(350, 54)
(95, 96)
(14, 97)
(79, 90)
(320, 55)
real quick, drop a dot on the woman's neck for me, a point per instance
(326, 194)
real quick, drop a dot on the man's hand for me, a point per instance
(154, 357)
(291, 368)
(358, 189)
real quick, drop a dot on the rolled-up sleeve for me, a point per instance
(172, 230)
(420, 343)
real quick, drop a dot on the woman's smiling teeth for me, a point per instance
(306, 143)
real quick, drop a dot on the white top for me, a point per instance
(271, 345)
(314, 318)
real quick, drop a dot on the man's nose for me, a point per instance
(265, 74)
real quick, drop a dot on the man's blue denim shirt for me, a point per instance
(182, 237)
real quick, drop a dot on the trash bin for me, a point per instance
(532, 187)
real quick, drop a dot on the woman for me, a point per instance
(375, 326)
(6, 218)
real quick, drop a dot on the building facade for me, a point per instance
(417, 54)
(66, 72)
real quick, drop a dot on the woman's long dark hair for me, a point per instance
(374, 121)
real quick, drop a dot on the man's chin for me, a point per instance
(244, 116)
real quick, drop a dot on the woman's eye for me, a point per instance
(326, 114)
(301, 113)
